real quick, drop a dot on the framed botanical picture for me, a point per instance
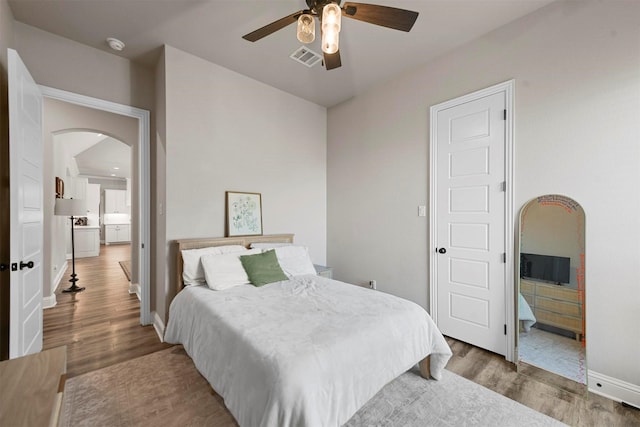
(243, 214)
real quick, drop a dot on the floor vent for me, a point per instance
(306, 56)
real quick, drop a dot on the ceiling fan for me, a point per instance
(329, 14)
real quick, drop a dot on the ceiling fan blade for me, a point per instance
(385, 16)
(273, 27)
(332, 60)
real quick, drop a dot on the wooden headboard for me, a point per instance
(245, 241)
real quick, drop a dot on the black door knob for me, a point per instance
(24, 265)
(442, 250)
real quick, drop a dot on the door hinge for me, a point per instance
(505, 329)
(504, 257)
(503, 186)
(504, 115)
(142, 245)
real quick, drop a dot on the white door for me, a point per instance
(26, 163)
(470, 221)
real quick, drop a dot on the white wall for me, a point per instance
(577, 127)
(68, 65)
(225, 131)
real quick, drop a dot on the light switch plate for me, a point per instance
(422, 211)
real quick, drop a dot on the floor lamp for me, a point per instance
(71, 208)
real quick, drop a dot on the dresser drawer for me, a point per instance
(549, 318)
(557, 292)
(560, 307)
(526, 287)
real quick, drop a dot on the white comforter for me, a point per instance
(304, 352)
(525, 314)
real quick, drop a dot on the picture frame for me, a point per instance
(243, 214)
(59, 188)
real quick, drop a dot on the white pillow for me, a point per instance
(268, 245)
(295, 260)
(192, 272)
(224, 271)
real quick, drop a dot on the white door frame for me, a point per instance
(510, 313)
(144, 185)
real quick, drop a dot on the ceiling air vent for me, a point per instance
(306, 56)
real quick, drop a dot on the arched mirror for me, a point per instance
(551, 308)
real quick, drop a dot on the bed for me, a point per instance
(306, 351)
(525, 314)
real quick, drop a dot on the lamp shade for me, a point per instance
(70, 207)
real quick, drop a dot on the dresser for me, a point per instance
(554, 305)
(32, 388)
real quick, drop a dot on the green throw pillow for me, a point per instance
(263, 268)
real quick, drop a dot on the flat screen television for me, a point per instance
(554, 269)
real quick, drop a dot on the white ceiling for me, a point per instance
(97, 155)
(213, 30)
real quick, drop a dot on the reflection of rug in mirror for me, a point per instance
(126, 267)
(164, 388)
(554, 353)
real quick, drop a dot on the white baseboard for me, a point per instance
(49, 302)
(59, 276)
(134, 288)
(158, 325)
(614, 389)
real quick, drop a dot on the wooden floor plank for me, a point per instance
(101, 325)
(551, 394)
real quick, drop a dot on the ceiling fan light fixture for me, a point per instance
(331, 16)
(331, 22)
(306, 28)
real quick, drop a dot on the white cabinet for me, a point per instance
(117, 233)
(115, 201)
(87, 241)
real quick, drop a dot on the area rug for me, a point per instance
(126, 267)
(164, 388)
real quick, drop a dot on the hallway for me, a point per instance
(101, 325)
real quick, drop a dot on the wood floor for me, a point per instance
(101, 325)
(551, 394)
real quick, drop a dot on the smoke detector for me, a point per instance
(115, 44)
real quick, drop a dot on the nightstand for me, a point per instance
(324, 271)
(32, 388)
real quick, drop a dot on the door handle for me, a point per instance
(24, 265)
(4, 267)
(442, 250)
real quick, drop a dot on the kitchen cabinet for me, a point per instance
(117, 233)
(115, 201)
(87, 241)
